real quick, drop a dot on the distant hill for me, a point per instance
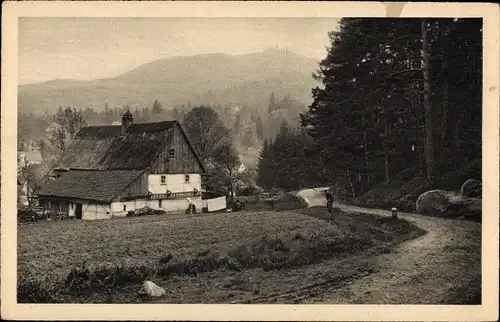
(212, 78)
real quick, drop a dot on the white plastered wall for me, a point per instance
(174, 183)
(92, 211)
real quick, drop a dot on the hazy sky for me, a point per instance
(90, 48)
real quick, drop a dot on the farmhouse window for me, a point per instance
(186, 178)
(163, 179)
(124, 207)
(171, 153)
(159, 203)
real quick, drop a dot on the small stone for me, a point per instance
(152, 290)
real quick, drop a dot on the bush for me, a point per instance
(32, 289)
(145, 211)
(27, 215)
(88, 278)
(203, 261)
(297, 248)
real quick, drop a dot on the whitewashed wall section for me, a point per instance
(174, 183)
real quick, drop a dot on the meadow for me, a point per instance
(96, 261)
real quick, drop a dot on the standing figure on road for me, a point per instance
(329, 201)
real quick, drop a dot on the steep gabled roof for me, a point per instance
(99, 131)
(102, 186)
(104, 148)
(133, 151)
(154, 127)
(89, 147)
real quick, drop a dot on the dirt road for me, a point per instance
(426, 270)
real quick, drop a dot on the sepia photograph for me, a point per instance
(249, 160)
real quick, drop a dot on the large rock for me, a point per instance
(471, 188)
(448, 204)
(433, 202)
(152, 290)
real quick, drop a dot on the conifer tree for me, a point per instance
(388, 88)
(157, 108)
(264, 167)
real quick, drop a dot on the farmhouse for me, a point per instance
(109, 170)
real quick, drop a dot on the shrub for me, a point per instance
(85, 278)
(297, 248)
(27, 215)
(32, 289)
(145, 211)
(203, 261)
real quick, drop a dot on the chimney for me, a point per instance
(127, 119)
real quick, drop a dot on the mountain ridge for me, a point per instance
(181, 79)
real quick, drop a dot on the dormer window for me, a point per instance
(171, 153)
(163, 179)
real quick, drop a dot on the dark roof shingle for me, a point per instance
(103, 148)
(100, 186)
(136, 128)
(134, 151)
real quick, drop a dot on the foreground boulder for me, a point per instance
(433, 202)
(447, 204)
(471, 188)
(152, 290)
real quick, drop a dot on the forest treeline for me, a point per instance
(396, 94)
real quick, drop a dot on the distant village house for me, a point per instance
(110, 170)
(28, 155)
(26, 158)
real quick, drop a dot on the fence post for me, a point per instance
(394, 212)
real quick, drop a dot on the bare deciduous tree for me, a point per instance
(227, 158)
(65, 125)
(205, 130)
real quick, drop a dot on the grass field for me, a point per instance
(104, 261)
